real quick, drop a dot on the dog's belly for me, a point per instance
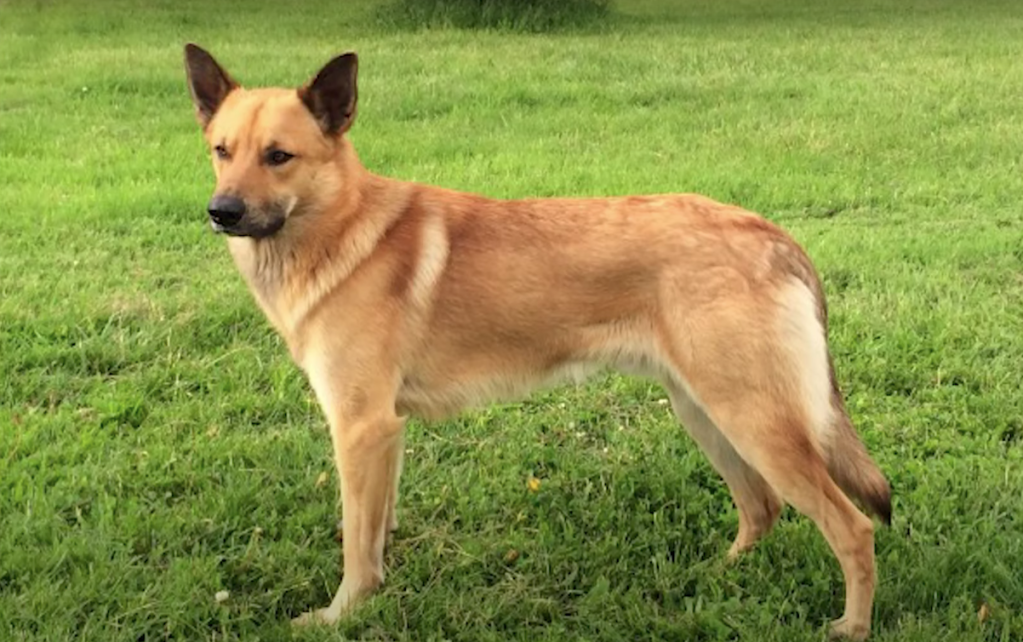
(439, 397)
(442, 396)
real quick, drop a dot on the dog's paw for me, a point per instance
(736, 550)
(346, 599)
(306, 619)
(842, 629)
(315, 618)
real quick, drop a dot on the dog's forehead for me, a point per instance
(262, 116)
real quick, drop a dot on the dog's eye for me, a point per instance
(278, 157)
(221, 152)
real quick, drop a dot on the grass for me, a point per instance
(157, 446)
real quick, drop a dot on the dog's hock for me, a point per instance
(331, 96)
(207, 81)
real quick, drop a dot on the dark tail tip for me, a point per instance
(880, 504)
(885, 513)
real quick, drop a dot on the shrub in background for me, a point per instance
(514, 15)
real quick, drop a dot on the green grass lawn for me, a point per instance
(157, 445)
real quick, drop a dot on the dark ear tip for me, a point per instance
(347, 59)
(194, 52)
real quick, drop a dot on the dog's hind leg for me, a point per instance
(758, 369)
(757, 504)
(773, 439)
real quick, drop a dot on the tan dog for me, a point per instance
(400, 298)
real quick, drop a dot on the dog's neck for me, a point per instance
(327, 239)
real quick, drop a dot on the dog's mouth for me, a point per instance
(248, 228)
(256, 224)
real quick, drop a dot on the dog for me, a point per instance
(399, 299)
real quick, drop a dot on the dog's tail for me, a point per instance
(852, 468)
(844, 454)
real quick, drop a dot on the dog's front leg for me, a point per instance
(368, 457)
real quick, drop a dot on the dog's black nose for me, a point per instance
(226, 211)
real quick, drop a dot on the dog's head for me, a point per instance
(271, 148)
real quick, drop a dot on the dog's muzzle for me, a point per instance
(225, 212)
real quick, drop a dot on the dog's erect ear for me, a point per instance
(331, 95)
(207, 81)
